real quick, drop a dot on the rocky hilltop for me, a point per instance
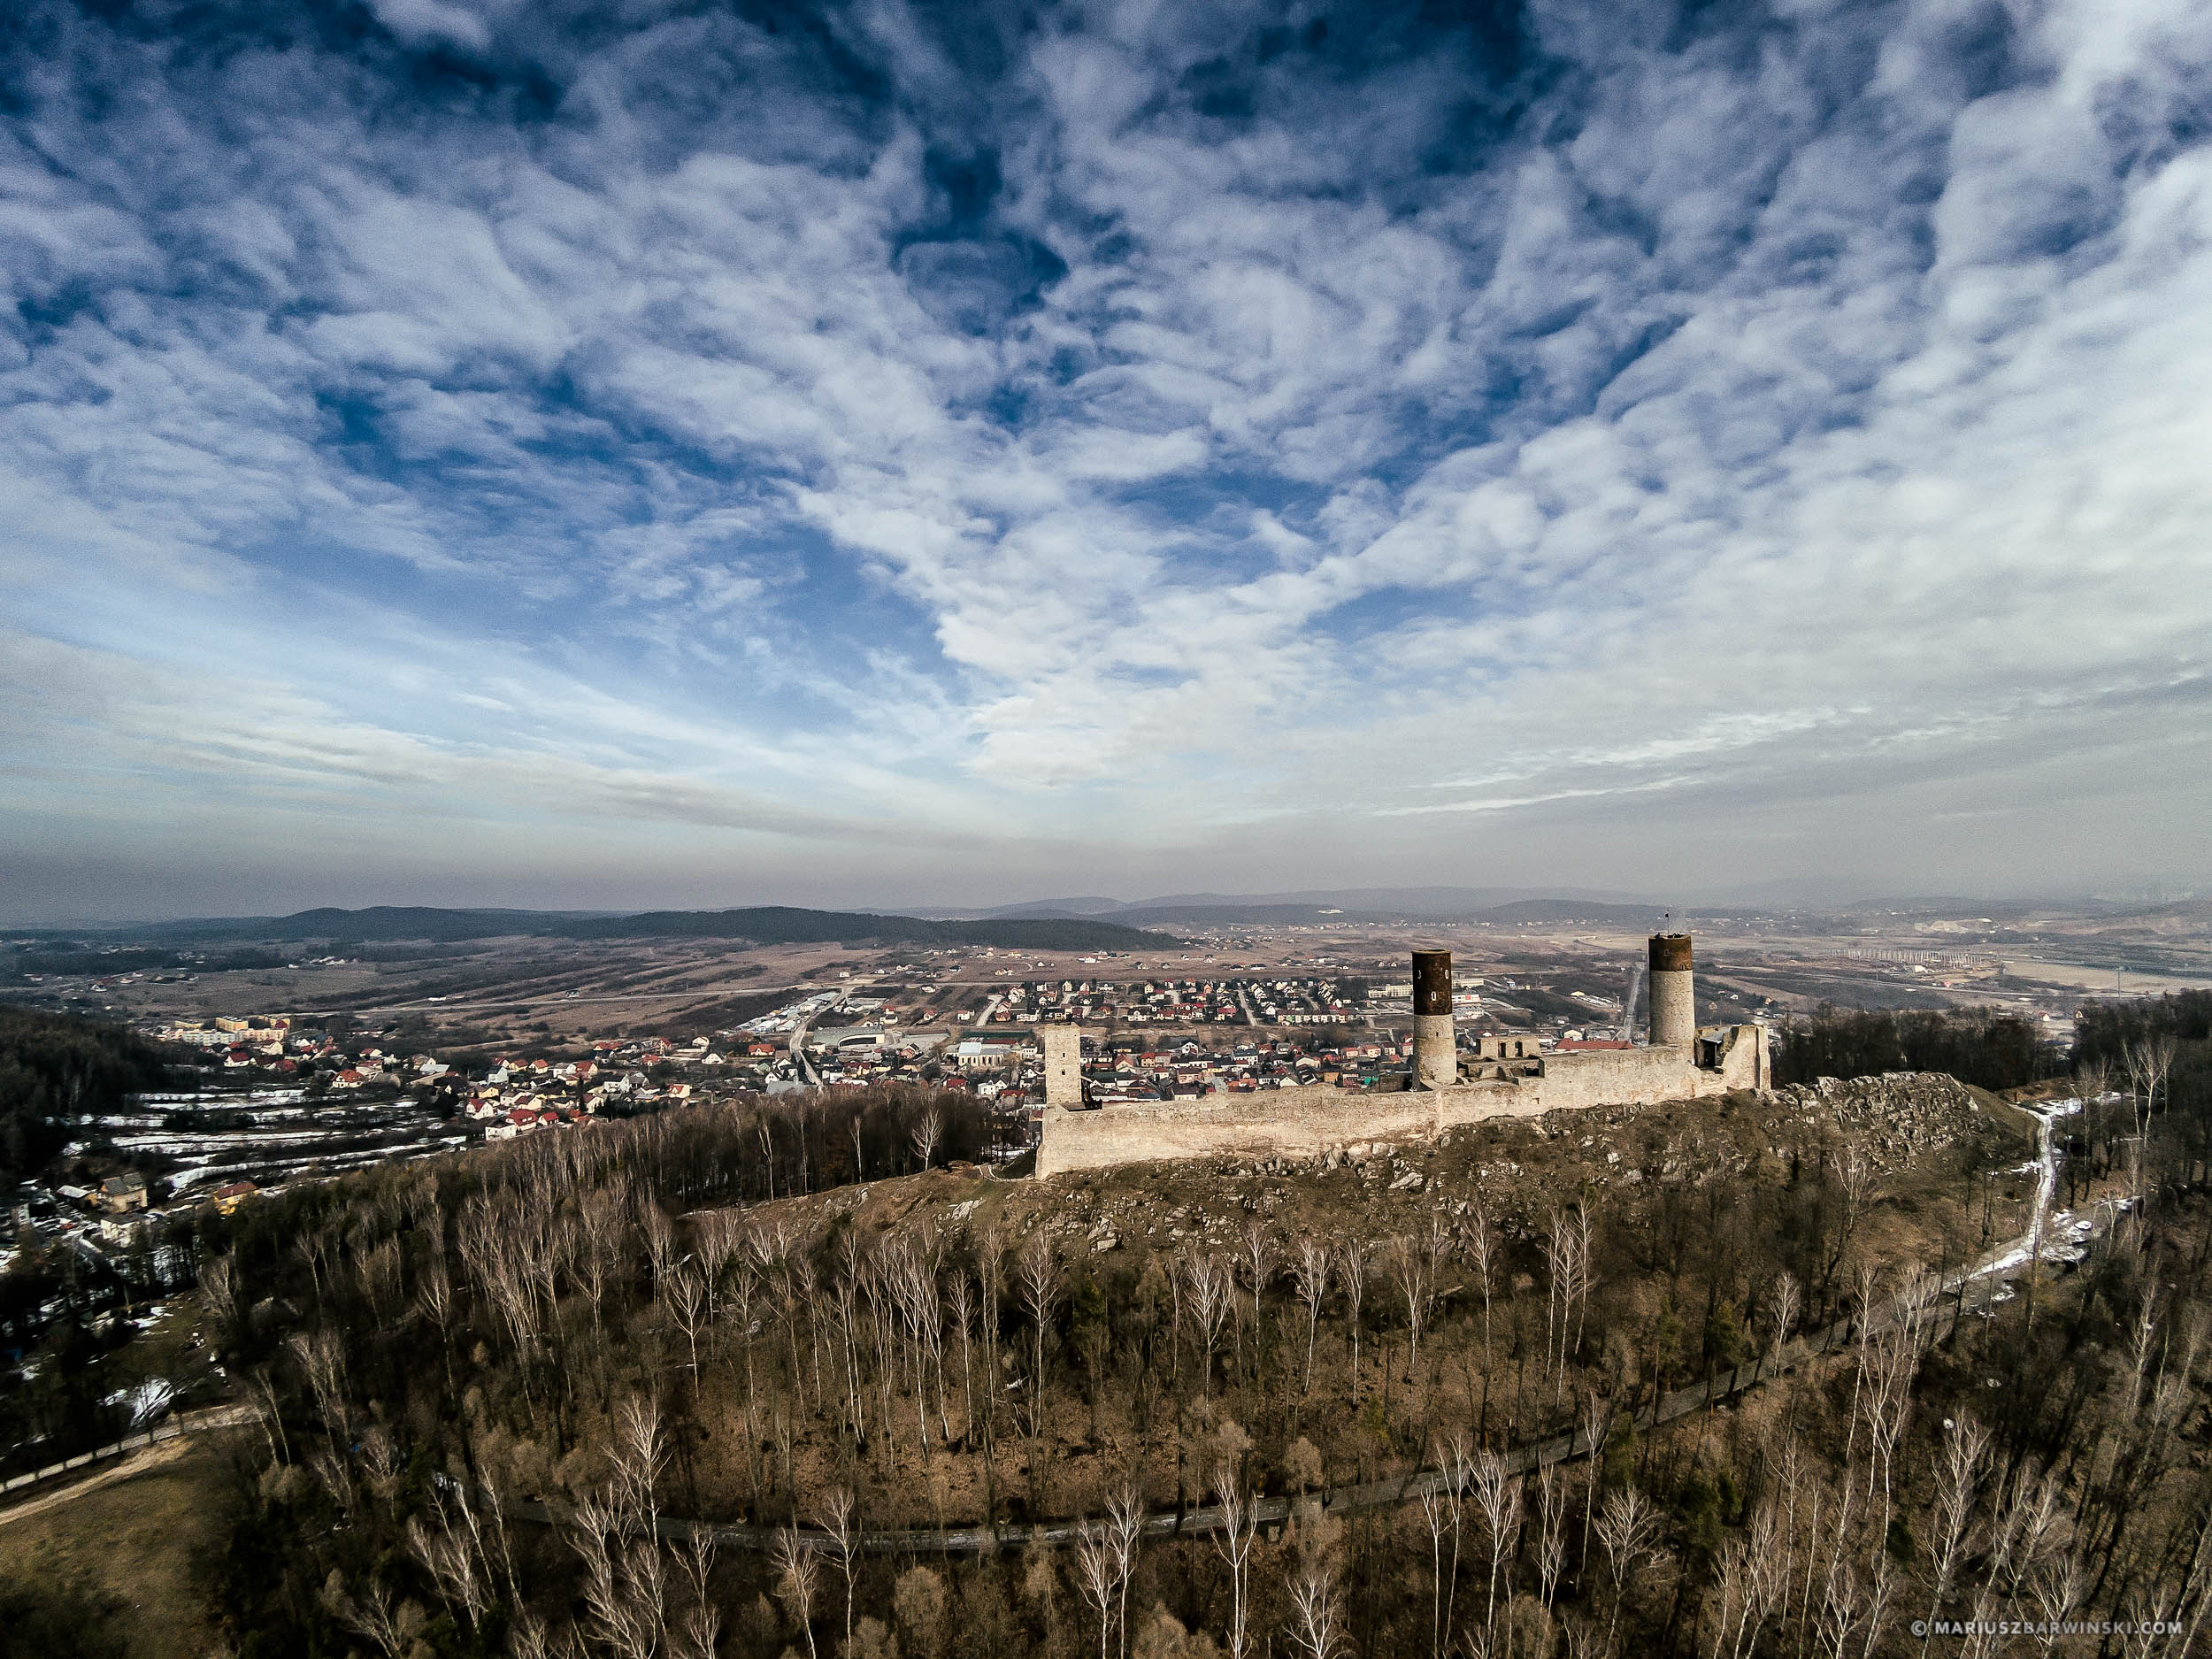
(1904, 1135)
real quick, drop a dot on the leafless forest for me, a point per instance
(584, 1394)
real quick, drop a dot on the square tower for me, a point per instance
(1064, 1065)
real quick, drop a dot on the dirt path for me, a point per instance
(1973, 1291)
(137, 1464)
(169, 1441)
(137, 1538)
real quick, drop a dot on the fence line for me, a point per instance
(176, 1428)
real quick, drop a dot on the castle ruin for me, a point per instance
(1504, 1077)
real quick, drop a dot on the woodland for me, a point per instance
(494, 1393)
(798, 1379)
(55, 1070)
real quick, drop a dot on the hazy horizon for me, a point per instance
(465, 453)
(1806, 896)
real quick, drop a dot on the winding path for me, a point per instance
(1974, 1290)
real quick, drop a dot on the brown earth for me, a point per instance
(1927, 1141)
(1917, 1131)
(131, 1539)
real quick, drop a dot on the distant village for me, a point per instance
(283, 1097)
(835, 1038)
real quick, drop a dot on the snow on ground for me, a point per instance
(289, 1137)
(179, 1143)
(260, 1171)
(243, 1099)
(146, 1402)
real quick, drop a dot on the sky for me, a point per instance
(481, 451)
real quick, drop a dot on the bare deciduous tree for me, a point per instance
(844, 1544)
(796, 1566)
(1207, 1298)
(2149, 1060)
(1317, 1629)
(1094, 1577)
(924, 1133)
(684, 1294)
(639, 1454)
(1413, 1269)
(1037, 1270)
(1124, 1529)
(1782, 1303)
(1309, 1270)
(1957, 1480)
(1551, 1536)
(625, 1589)
(373, 1614)
(1234, 1540)
(1497, 1499)
(1351, 1272)
(324, 1362)
(1628, 1527)
(1439, 1512)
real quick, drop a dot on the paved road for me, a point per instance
(798, 1042)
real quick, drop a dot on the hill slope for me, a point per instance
(781, 925)
(766, 925)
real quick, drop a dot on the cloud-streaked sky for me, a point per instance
(472, 450)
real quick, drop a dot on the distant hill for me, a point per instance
(1093, 906)
(1227, 913)
(782, 925)
(1222, 909)
(1577, 911)
(766, 925)
(1237, 915)
(1440, 903)
(378, 923)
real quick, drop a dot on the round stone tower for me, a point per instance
(1435, 1060)
(1673, 1003)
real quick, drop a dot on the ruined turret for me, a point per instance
(1673, 1002)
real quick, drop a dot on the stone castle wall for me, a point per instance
(1307, 1122)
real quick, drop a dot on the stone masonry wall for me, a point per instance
(1308, 1122)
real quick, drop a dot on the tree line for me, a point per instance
(584, 1321)
(1990, 1049)
(2103, 1031)
(56, 1069)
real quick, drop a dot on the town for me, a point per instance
(277, 1099)
(292, 1065)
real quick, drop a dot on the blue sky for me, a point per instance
(464, 450)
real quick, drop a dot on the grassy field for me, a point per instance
(129, 1546)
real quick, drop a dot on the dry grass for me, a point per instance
(1518, 1171)
(131, 1541)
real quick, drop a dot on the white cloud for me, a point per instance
(1808, 395)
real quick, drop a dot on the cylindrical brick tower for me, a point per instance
(1435, 1061)
(1673, 1003)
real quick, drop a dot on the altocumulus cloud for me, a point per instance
(879, 451)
